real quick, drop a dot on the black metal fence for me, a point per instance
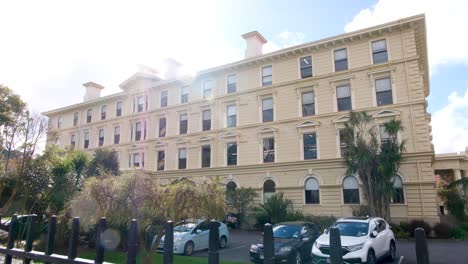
(28, 254)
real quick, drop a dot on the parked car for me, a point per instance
(292, 241)
(22, 220)
(194, 235)
(363, 240)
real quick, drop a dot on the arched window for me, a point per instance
(312, 192)
(350, 190)
(269, 189)
(398, 193)
(230, 192)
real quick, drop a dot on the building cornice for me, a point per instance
(96, 101)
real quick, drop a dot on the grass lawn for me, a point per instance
(119, 257)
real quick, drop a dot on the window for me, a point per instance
(269, 189)
(350, 190)
(312, 193)
(308, 103)
(182, 158)
(89, 115)
(207, 89)
(141, 103)
(183, 124)
(161, 160)
(343, 98)
(343, 135)
(230, 192)
(184, 94)
(59, 122)
(86, 139)
(379, 51)
(103, 112)
(384, 135)
(117, 135)
(383, 91)
(75, 119)
(206, 120)
(398, 193)
(138, 129)
(268, 150)
(72, 140)
(231, 154)
(341, 59)
(267, 110)
(306, 67)
(310, 145)
(118, 109)
(206, 156)
(231, 116)
(231, 83)
(101, 137)
(164, 97)
(136, 160)
(162, 127)
(267, 75)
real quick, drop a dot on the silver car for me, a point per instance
(193, 236)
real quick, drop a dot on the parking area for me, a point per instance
(441, 251)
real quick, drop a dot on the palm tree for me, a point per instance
(373, 158)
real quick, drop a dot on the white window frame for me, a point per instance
(260, 106)
(204, 89)
(261, 75)
(387, 73)
(186, 157)
(304, 189)
(371, 51)
(347, 57)
(342, 193)
(308, 130)
(235, 141)
(227, 83)
(201, 155)
(299, 67)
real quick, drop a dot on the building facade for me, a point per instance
(272, 121)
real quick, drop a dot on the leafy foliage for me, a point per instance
(104, 162)
(443, 230)
(321, 222)
(241, 199)
(275, 210)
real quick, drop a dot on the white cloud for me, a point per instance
(446, 23)
(283, 40)
(450, 125)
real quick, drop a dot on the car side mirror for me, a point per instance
(374, 234)
(198, 231)
(325, 230)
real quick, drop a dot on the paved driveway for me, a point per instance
(441, 251)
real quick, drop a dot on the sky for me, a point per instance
(48, 49)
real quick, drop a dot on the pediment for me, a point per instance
(308, 123)
(266, 129)
(230, 134)
(386, 113)
(160, 144)
(205, 138)
(181, 141)
(341, 119)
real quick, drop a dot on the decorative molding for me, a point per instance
(204, 138)
(341, 119)
(229, 134)
(386, 113)
(181, 141)
(266, 129)
(308, 123)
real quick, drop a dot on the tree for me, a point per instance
(104, 162)
(375, 163)
(241, 199)
(277, 208)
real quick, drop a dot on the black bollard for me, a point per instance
(268, 244)
(335, 246)
(422, 252)
(168, 243)
(132, 242)
(213, 254)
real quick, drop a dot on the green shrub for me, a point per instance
(443, 230)
(457, 233)
(464, 226)
(399, 231)
(295, 216)
(261, 218)
(322, 222)
(419, 223)
(405, 227)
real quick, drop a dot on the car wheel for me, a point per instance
(188, 248)
(392, 251)
(371, 257)
(297, 258)
(222, 242)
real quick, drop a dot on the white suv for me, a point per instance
(363, 240)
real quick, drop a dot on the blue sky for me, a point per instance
(53, 47)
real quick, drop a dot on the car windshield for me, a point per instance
(286, 231)
(184, 228)
(354, 229)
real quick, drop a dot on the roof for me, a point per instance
(294, 223)
(365, 219)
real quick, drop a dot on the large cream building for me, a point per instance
(272, 121)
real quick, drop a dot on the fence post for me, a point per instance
(213, 254)
(335, 246)
(168, 243)
(11, 236)
(29, 236)
(132, 242)
(73, 244)
(422, 252)
(268, 244)
(99, 241)
(51, 236)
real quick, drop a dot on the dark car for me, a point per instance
(292, 240)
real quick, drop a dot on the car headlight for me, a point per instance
(355, 247)
(254, 248)
(318, 245)
(284, 250)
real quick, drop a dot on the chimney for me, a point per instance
(172, 69)
(93, 91)
(254, 43)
